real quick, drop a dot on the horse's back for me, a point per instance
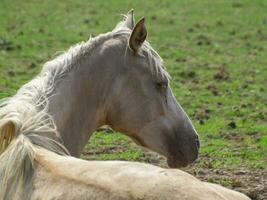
(228, 194)
(68, 178)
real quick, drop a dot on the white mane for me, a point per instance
(64, 63)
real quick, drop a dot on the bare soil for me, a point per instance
(252, 182)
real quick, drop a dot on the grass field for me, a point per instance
(215, 51)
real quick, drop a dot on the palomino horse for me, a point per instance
(116, 79)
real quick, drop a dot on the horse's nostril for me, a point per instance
(197, 143)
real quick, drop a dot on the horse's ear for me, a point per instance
(138, 35)
(128, 20)
(7, 133)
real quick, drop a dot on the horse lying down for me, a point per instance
(67, 97)
(71, 178)
(30, 172)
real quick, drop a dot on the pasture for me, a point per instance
(214, 51)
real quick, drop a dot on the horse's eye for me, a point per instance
(162, 85)
(162, 88)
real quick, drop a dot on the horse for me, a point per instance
(118, 79)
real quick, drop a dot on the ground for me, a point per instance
(215, 52)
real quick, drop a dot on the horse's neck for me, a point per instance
(77, 105)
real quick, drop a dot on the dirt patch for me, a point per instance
(7, 45)
(222, 73)
(214, 90)
(237, 5)
(252, 182)
(106, 150)
(202, 114)
(181, 60)
(32, 65)
(232, 124)
(203, 40)
(2, 88)
(237, 138)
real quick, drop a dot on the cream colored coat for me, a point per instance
(68, 178)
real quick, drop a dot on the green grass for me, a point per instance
(215, 52)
